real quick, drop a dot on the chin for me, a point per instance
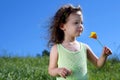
(78, 35)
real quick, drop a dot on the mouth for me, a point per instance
(80, 31)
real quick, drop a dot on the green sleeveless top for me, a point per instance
(74, 61)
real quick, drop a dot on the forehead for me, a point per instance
(77, 15)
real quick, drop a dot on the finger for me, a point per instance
(69, 72)
(63, 75)
(108, 51)
(65, 72)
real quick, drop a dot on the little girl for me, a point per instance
(68, 57)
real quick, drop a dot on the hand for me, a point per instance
(106, 51)
(63, 72)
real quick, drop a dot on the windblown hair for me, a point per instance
(56, 34)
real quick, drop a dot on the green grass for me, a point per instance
(36, 69)
(110, 71)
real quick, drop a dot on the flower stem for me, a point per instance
(100, 42)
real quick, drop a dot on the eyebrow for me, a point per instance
(80, 20)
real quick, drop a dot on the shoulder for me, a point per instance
(88, 49)
(54, 46)
(54, 49)
(84, 44)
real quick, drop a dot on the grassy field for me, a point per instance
(36, 69)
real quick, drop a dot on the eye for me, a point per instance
(76, 23)
(81, 22)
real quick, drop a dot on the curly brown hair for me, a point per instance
(56, 34)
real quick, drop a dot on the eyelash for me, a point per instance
(78, 22)
(81, 22)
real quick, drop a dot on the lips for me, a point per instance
(80, 30)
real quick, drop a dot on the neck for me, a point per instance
(69, 40)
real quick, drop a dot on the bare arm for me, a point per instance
(53, 67)
(105, 53)
(93, 58)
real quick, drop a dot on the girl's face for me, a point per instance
(74, 25)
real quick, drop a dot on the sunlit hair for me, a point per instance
(60, 17)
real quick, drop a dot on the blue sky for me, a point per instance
(24, 23)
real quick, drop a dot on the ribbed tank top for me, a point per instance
(74, 61)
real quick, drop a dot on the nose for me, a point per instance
(81, 26)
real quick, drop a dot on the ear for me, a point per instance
(62, 27)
